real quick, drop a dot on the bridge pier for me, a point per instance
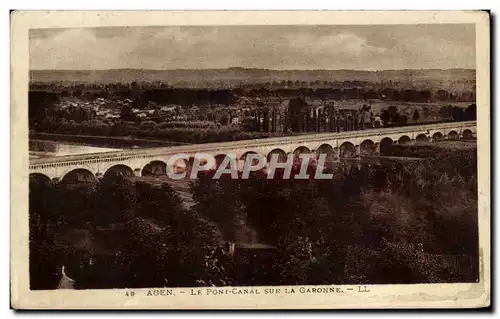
(377, 149)
(357, 151)
(137, 172)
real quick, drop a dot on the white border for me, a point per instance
(483, 147)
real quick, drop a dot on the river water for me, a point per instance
(43, 148)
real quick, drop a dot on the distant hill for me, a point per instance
(238, 76)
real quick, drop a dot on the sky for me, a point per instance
(364, 47)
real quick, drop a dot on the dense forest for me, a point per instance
(393, 223)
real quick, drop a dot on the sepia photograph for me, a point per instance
(254, 160)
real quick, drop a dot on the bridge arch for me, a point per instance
(219, 158)
(347, 149)
(282, 156)
(385, 145)
(190, 163)
(119, 169)
(437, 137)
(467, 134)
(453, 135)
(301, 150)
(327, 149)
(38, 180)
(297, 161)
(421, 138)
(203, 161)
(244, 156)
(405, 139)
(79, 175)
(181, 165)
(154, 168)
(367, 148)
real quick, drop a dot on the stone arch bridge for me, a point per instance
(153, 161)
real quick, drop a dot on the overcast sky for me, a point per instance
(368, 47)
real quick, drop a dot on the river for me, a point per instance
(40, 149)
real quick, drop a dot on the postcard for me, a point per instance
(250, 159)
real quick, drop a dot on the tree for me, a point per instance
(219, 201)
(79, 114)
(457, 113)
(416, 115)
(170, 245)
(248, 123)
(158, 201)
(164, 245)
(41, 105)
(470, 112)
(126, 114)
(266, 120)
(426, 111)
(118, 200)
(393, 113)
(289, 214)
(44, 257)
(119, 128)
(225, 118)
(445, 111)
(296, 111)
(75, 203)
(385, 116)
